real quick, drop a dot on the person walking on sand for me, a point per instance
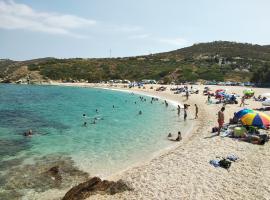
(220, 119)
(196, 111)
(242, 101)
(187, 94)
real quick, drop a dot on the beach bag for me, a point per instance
(214, 129)
(225, 163)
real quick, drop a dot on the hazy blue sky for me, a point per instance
(90, 28)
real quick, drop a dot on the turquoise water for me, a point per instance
(119, 138)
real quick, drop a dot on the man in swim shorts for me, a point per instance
(220, 119)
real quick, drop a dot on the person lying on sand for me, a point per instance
(254, 139)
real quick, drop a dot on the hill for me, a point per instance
(220, 61)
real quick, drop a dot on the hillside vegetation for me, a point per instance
(220, 61)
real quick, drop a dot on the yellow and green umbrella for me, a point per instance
(251, 117)
(248, 92)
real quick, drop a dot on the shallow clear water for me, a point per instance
(119, 138)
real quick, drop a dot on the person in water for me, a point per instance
(178, 110)
(84, 118)
(179, 137)
(166, 103)
(140, 112)
(185, 114)
(28, 133)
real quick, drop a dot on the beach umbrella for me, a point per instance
(253, 118)
(248, 92)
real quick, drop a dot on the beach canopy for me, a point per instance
(251, 117)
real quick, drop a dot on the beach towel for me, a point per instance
(232, 157)
(215, 163)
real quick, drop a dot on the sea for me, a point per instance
(81, 132)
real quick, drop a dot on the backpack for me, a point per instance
(214, 129)
(225, 163)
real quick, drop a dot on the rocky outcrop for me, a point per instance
(96, 186)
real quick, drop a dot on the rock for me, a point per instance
(119, 186)
(95, 186)
(54, 172)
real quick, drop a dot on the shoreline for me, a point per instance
(155, 154)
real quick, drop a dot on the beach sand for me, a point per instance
(184, 172)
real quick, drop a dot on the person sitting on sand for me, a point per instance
(234, 120)
(209, 98)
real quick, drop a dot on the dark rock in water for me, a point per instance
(54, 173)
(10, 195)
(96, 186)
(51, 172)
(119, 186)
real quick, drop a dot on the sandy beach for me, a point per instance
(184, 172)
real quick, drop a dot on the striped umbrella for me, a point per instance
(253, 118)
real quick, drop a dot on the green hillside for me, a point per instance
(218, 61)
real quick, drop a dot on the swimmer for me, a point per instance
(28, 133)
(140, 112)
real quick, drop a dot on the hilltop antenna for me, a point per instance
(110, 53)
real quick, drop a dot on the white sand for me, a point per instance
(185, 172)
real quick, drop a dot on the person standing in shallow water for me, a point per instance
(185, 114)
(178, 110)
(166, 103)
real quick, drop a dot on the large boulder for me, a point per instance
(95, 186)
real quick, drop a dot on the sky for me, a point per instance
(117, 28)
